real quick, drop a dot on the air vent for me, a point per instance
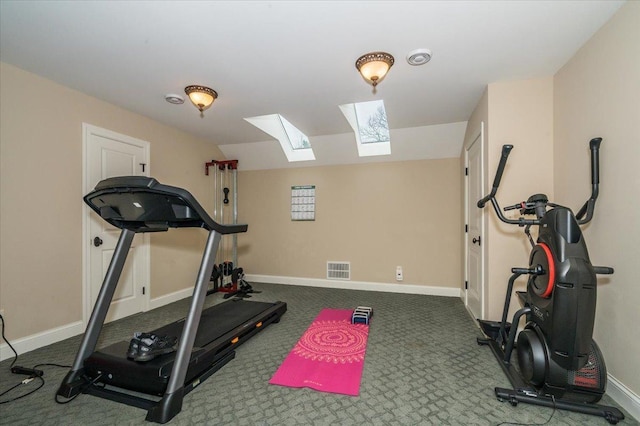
(419, 57)
(338, 270)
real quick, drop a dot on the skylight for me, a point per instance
(369, 123)
(294, 143)
(297, 139)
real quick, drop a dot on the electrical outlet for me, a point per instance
(399, 276)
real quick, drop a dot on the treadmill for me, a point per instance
(207, 339)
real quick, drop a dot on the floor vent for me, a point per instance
(338, 270)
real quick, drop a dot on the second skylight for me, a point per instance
(369, 123)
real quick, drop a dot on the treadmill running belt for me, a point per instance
(218, 325)
(217, 320)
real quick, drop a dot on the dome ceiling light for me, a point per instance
(201, 96)
(374, 66)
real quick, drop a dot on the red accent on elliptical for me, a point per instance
(552, 270)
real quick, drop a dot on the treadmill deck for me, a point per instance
(219, 327)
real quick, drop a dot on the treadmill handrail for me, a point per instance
(142, 204)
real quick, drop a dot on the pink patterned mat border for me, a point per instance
(329, 356)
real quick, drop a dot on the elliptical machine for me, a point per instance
(559, 363)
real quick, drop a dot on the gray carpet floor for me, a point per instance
(422, 367)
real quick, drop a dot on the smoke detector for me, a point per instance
(174, 99)
(419, 57)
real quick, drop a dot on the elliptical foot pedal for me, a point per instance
(491, 329)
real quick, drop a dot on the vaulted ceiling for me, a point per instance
(293, 58)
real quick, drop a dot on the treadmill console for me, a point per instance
(142, 204)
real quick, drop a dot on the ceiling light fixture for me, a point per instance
(201, 96)
(374, 66)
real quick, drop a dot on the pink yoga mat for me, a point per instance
(329, 356)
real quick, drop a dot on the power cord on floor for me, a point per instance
(24, 382)
(553, 400)
(33, 373)
(15, 358)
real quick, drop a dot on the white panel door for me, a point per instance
(475, 274)
(109, 154)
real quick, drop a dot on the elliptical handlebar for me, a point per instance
(506, 149)
(587, 208)
(515, 206)
(589, 205)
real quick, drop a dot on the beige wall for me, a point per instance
(41, 198)
(520, 114)
(516, 113)
(597, 93)
(376, 216)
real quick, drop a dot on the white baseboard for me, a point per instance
(38, 340)
(623, 396)
(358, 285)
(170, 298)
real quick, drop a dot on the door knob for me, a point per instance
(97, 241)
(476, 240)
